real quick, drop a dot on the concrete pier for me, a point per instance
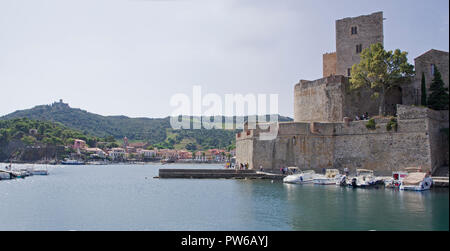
(215, 174)
(440, 182)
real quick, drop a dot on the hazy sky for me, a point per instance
(128, 57)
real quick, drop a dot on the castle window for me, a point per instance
(432, 69)
(354, 30)
(349, 72)
(358, 48)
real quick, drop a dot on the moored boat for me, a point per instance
(5, 175)
(72, 162)
(304, 177)
(38, 172)
(332, 177)
(396, 179)
(19, 174)
(417, 181)
(168, 160)
(365, 179)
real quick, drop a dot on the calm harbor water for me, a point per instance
(126, 197)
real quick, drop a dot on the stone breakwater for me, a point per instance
(216, 174)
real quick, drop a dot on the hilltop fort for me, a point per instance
(323, 134)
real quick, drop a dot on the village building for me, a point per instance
(96, 152)
(79, 144)
(146, 154)
(167, 154)
(184, 155)
(117, 153)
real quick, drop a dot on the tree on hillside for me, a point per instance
(381, 71)
(438, 99)
(423, 91)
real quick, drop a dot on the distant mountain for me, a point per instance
(154, 131)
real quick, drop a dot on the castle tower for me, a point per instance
(352, 36)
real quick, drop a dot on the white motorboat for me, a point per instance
(304, 177)
(20, 174)
(416, 182)
(332, 177)
(365, 179)
(5, 175)
(38, 171)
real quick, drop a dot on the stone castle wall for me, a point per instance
(329, 64)
(320, 100)
(330, 100)
(339, 145)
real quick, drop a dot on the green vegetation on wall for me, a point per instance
(371, 125)
(392, 124)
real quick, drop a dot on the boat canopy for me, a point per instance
(414, 179)
(331, 173)
(360, 171)
(414, 169)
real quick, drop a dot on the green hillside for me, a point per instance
(156, 132)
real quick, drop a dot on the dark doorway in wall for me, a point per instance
(393, 98)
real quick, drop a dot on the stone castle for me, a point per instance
(323, 134)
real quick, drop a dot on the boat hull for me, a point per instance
(325, 182)
(369, 183)
(39, 172)
(423, 186)
(71, 164)
(5, 176)
(299, 179)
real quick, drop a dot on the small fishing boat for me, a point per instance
(417, 181)
(365, 179)
(168, 160)
(72, 162)
(304, 177)
(19, 174)
(5, 175)
(38, 171)
(332, 177)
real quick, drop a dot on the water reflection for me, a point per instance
(120, 198)
(340, 208)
